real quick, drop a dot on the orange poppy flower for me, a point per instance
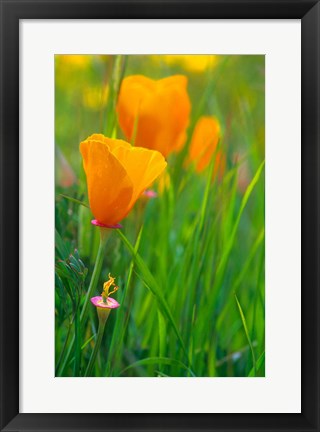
(155, 114)
(117, 174)
(203, 147)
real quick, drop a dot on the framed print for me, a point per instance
(159, 241)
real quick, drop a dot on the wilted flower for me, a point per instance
(98, 302)
(204, 143)
(104, 303)
(117, 174)
(154, 114)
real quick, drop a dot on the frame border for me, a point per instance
(11, 11)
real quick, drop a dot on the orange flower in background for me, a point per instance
(117, 174)
(155, 114)
(204, 142)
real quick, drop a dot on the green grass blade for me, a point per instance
(244, 323)
(250, 258)
(162, 336)
(245, 199)
(260, 363)
(123, 317)
(88, 341)
(74, 200)
(77, 345)
(159, 360)
(61, 249)
(207, 190)
(162, 374)
(241, 277)
(117, 74)
(153, 286)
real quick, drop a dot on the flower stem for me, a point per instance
(102, 324)
(77, 349)
(117, 74)
(64, 348)
(93, 284)
(95, 275)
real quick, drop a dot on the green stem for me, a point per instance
(90, 292)
(102, 324)
(95, 276)
(117, 74)
(162, 338)
(77, 348)
(64, 348)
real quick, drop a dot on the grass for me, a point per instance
(189, 263)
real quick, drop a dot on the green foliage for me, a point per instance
(190, 263)
(70, 275)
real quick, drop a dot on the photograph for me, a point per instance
(159, 215)
(159, 204)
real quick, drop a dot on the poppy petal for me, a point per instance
(143, 167)
(110, 188)
(204, 141)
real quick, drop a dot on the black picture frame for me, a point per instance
(11, 12)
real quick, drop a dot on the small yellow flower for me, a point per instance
(76, 60)
(95, 98)
(193, 63)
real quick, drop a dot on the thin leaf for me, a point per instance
(61, 249)
(244, 323)
(76, 201)
(244, 201)
(153, 286)
(158, 360)
(88, 341)
(260, 363)
(162, 336)
(123, 318)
